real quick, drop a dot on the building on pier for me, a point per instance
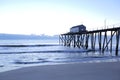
(78, 28)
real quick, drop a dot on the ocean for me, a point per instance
(16, 54)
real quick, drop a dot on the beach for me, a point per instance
(70, 71)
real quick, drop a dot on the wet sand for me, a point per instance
(72, 71)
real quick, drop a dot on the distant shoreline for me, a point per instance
(22, 37)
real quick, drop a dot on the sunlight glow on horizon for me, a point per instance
(48, 18)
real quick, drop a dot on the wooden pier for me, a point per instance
(103, 38)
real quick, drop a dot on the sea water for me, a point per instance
(16, 54)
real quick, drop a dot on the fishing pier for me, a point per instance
(105, 39)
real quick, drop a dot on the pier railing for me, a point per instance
(104, 38)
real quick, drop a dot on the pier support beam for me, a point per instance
(111, 42)
(99, 40)
(117, 42)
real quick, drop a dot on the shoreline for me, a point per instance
(69, 71)
(10, 68)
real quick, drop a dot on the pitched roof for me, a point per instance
(78, 26)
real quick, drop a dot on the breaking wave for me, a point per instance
(56, 51)
(37, 45)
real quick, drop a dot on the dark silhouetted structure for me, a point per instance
(79, 37)
(78, 28)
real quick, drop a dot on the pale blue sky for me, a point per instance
(56, 16)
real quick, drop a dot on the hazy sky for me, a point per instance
(56, 16)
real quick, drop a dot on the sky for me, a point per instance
(52, 17)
